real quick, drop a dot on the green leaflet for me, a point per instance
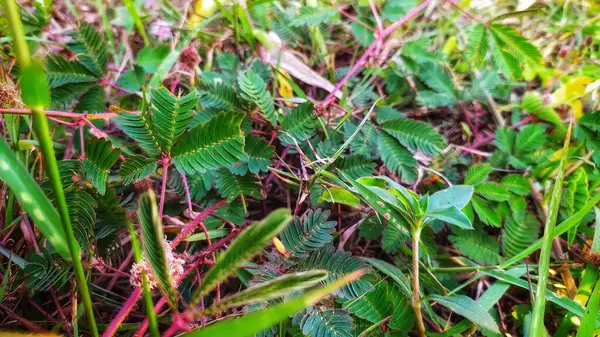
(33, 199)
(90, 47)
(218, 143)
(477, 45)
(278, 287)
(259, 320)
(171, 115)
(153, 244)
(415, 135)
(100, 157)
(137, 167)
(254, 89)
(320, 322)
(247, 244)
(308, 234)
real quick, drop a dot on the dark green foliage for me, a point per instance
(260, 155)
(254, 89)
(137, 167)
(308, 233)
(215, 144)
(170, 116)
(519, 234)
(231, 185)
(45, 270)
(337, 263)
(315, 322)
(100, 157)
(298, 125)
(476, 245)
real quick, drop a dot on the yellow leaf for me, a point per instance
(570, 91)
(285, 88)
(202, 10)
(280, 247)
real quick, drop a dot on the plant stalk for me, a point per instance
(42, 131)
(537, 328)
(416, 300)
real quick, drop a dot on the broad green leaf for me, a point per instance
(340, 196)
(469, 309)
(275, 288)
(153, 244)
(246, 245)
(33, 199)
(257, 321)
(451, 215)
(457, 196)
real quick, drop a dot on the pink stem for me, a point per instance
(187, 193)
(363, 59)
(376, 15)
(165, 161)
(123, 313)
(63, 114)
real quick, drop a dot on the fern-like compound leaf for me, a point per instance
(308, 234)
(170, 115)
(248, 243)
(299, 124)
(139, 128)
(90, 47)
(60, 71)
(415, 135)
(476, 245)
(396, 157)
(100, 157)
(232, 186)
(338, 264)
(254, 89)
(137, 167)
(317, 322)
(218, 143)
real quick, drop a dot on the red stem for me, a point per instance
(63, 114)
(363, 59)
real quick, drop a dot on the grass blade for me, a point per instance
(242, 248)
(257, 321)
(537, 328)
(275, 288)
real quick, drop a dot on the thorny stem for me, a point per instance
(363, 59)
(416, 300)
(64, 114)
